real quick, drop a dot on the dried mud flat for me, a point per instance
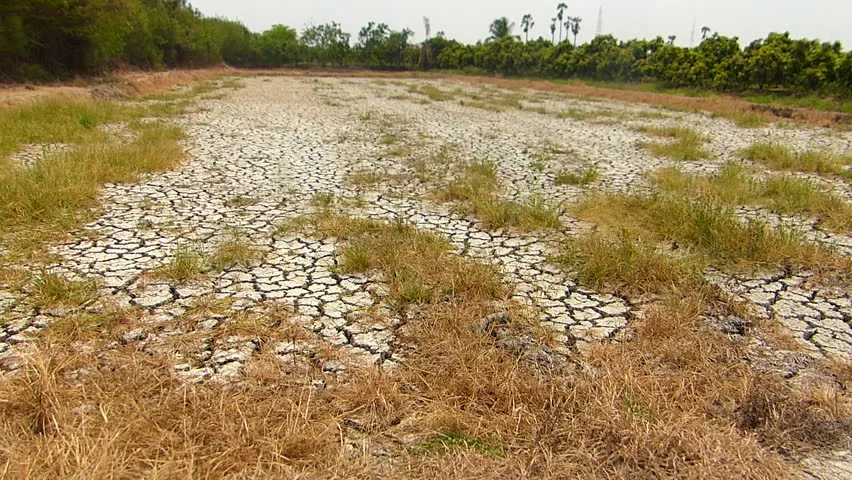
(265, 155)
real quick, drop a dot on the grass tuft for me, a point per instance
(52, 289)
(779, 157)
(784, 194)
(585, 176)
(686, 144)
(711, 230)
(232, 253)
(186, 264)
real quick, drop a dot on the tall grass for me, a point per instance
(58, 186)
(711, 230)
(686, 144)
(475, 191)
(778, 157)
(733, 185)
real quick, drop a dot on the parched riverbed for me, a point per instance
(260, 156)
(265, 159)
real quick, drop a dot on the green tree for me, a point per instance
(575, 27)
(500, 28)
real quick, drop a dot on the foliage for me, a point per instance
(44, 39)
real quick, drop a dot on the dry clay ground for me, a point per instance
(282, 148)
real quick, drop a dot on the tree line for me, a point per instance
(45, 39)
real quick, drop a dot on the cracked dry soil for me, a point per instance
(259, 157)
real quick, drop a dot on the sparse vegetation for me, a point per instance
(186, 264)
(779, 157)
(708, 229)
(686, 144)
(458, 395)
(733, 185)
(52, 289)
(475, 193)
(585, 176)
(235, 251)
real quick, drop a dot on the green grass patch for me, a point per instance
(733, 185)
(475, 192)
(745, 119)
(585, 176)
(686, 143)
(186, 264)
(778, 157)
(432, 92)
(57, 187)
(624, 263)
(50, 289)
(708, 229)
(444, 442)
(418, 266)
(233, 252)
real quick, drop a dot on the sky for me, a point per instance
(468, 20)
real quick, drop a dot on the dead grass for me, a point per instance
(733, 185)
(686, 144)
(779, 157)
(676, 401)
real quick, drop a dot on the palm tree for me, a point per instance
(672, 39)
(527, 23)
(575, 27)
(560, 13)
(704, 31)
(553, 30)
(501, 28)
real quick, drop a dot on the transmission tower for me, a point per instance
(692, 35)
(599, 29)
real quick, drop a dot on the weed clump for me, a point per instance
(779, 157)
(475, 193)
(585, 176)
(785, 194)
(686, 144)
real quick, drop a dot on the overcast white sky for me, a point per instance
(468, 20)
